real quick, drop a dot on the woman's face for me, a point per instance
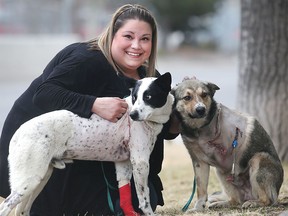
(131, 45)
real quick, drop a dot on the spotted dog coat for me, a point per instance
(58, 137)
(243, 154)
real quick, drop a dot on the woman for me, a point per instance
(86, 78)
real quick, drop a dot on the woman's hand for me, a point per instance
(110, 108)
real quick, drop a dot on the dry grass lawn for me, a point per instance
(177, 176)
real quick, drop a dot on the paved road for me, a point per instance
(218, 68)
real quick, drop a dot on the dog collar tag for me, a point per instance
(234, 143)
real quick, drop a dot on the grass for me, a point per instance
(177, 177)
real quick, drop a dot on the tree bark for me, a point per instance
(263, 72)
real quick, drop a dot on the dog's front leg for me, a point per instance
(124, 174)
(201, 172)
(229, 196)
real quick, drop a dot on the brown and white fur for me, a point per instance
(54, 138)
(250, 173)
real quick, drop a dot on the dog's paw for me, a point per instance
(219, 204)
(200, 205)
(58, 163)
(251, 204)
(217, 197)
(194, 210)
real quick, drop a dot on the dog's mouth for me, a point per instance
(195, 116)
(199, 112)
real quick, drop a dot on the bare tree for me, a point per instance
(263, 74)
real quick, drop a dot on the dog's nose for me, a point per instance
(134, 115)
(200, 110)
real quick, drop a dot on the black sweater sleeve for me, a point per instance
(52, 96)
(61, 91)
(72, 82)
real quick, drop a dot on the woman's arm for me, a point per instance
(52, 96)
(78, 83)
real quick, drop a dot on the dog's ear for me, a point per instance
(173, 90)
(164, 81)
(212, 87)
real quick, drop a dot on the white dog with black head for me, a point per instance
(58, 137)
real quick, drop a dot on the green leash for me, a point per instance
(109, 186)
(184, 209)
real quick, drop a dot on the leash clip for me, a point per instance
(233, 169)
(235, 141)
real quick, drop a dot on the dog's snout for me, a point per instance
(200, 110)
(134, 115)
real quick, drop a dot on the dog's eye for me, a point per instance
(204, 94)
(187, 98)
(147, 97)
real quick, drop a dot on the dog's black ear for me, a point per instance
(212, 87)
(164, 81)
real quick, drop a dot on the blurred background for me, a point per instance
(196, 38)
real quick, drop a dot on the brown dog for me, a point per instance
(243, 154)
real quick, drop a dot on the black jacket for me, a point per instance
(72, 80)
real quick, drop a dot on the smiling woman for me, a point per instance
(86, 78)
(129, 13)
(132, 45)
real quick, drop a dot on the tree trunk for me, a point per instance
(263, 73)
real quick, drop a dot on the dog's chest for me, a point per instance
(213, 144)
(211, 151)
(99, 139)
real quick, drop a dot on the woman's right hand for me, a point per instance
(110, 108)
